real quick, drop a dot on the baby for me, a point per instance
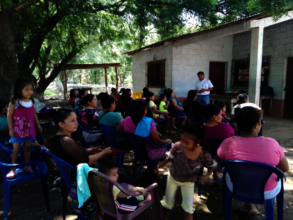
(123, 202)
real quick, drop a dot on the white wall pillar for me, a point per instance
(256, 49)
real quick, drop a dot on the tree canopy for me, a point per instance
(47, 34)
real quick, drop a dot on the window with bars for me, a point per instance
(156, 73)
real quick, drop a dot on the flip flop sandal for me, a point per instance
(247, 213)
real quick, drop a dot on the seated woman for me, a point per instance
(191, 102)
(175, 107)
(223, 107)
(145, 90)
(143, 126)
(66, 148)
(112, 119)
(243, 101)
(126, 101)
(114, 93)
(119, 95)
(73, 97)
(250, 147)
(150, 98)
(214, 126)
(4, 129)
(88, 118)
(78, 105)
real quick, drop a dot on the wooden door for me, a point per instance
(217, 76)
(288, 111)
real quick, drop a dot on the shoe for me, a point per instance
(11, 174)
(29, 169)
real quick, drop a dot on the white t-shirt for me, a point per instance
(24, 104)
(204, 84)
(248, 104)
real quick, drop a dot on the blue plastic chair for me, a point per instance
(249, 180)
(67, 172)
(40, 171)
(214, 144)
(165, 120)
(195, 117)
(7, 150)
(138, 144)
(110, 136)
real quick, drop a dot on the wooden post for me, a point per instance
(106, 80)
(117, 80)
(64, 84)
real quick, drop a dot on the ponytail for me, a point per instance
(197, 132)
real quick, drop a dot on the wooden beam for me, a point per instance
(91, 66)
(106, 80)
(117, 79)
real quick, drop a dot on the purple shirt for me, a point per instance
(222, 130)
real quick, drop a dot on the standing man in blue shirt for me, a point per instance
(203, 87)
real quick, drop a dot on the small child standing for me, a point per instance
(123, 202)
(22, 118)
(189, 156)
(223, 107)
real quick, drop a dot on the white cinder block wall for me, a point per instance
(278, 43)
(193, 55)
(139, 68)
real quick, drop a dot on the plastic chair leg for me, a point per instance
(64, 192)
(280, 204)
(80, 217)
(141, 166)
(120, 157)
(43, 181)
(134, 169)
(227, 197)
(151, 167)
(6, 201)
(199, 185)
(269, 209)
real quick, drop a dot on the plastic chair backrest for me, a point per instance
(5, 153)
(109, 134)
(194, 116)
(66, 170)
(249, 178)
(214, 145)
(138, 144)
(102, 186)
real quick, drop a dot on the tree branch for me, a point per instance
(25, 4)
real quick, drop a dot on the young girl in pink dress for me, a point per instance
(22, 119)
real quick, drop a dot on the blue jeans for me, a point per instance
(203, 99)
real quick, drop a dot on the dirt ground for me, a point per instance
(27, 199)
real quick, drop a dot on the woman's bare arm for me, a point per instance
(176, 106)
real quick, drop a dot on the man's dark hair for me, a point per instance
(200, 72)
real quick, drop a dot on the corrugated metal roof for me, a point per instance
(172, 39)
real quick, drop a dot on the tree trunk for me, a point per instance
(8, 62)
(45, 82)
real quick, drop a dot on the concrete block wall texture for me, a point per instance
(139, 68)
(277, 43)
(193, 55)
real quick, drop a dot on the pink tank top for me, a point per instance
(23, 122)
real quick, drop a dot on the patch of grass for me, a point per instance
(127, 81)
(49, 92)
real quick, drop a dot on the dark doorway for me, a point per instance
(217, 76)
(289, 90)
